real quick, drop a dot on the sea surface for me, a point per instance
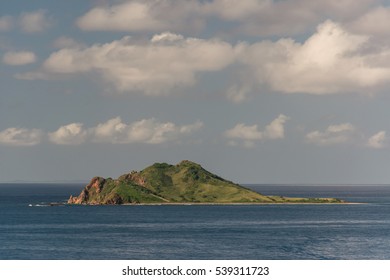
(30, 229)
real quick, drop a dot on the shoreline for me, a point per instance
(238, 204)
(223, 204)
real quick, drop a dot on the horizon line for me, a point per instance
(243, 184)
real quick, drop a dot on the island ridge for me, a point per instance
(186, 182)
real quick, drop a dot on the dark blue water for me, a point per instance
(355, 231)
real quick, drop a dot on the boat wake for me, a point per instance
(44, 204)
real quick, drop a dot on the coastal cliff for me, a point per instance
(186, 182)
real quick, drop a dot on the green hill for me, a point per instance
(186, 182)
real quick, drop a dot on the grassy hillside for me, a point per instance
(186, 182)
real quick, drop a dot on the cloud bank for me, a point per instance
(332, 60)
(149, 131)
(165, 62)
(334, 134)
(20, 136)
(113, 131)
(71, 134)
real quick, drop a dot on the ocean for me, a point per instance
(31, 230)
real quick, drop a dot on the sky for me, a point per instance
(256, 91)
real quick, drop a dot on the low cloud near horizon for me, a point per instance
(114, 131)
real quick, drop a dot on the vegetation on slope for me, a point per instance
(186, 182)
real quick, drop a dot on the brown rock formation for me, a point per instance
(94, 186)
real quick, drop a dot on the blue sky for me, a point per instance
(257, 91)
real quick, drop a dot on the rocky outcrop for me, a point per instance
(95, 186)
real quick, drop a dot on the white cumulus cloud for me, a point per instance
(167, 37)
(149, 131)
(20, 137)
(330, 61)
(275, 130)
(71, 134)
(246, 132)
(166, 62)
(251, 133)
(334, 134)
(19, 58)
(378, 140)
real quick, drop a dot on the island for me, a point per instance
(183, 183)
